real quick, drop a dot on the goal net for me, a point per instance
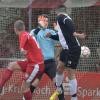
(86, 16)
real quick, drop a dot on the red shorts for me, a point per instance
(31, 71)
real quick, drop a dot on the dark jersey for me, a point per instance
(65, 31)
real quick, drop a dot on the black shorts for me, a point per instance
(50, 68)
(71, 57)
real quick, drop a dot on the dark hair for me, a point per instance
(45, 15)
(19, 25)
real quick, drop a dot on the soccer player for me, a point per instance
(33, 66)
(47, 45)
(70, 54)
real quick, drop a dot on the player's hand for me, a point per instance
(48, 34)
(55, 26)
(24, 52)
(82, 35)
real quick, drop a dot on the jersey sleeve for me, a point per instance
(23, 40)
(54, 35)
(63, 18)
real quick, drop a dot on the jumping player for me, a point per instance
(70, 54)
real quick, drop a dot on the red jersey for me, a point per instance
(28, 43)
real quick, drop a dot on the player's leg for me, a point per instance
(31, 74)
(60, 68)
(13, 66)
(72, 83)
(72, 65)
(59, 79)
(26, 91)
(35, 84)
(8, 73)
(32, 87)
(50, 70)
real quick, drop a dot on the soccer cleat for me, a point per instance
(54, 95)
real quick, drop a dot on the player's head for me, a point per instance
(43, 20)
(60, 9)
(19, 26)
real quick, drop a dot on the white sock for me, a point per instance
(23, 98)
(74, 98)
(73, 88)
(59, 79)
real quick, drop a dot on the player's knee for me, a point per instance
(36, 82)
(71, 74)
(13, 66)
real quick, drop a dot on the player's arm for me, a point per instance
(24, 52)
(69, 23)
(53, 35)
(23, 40)
(79, 35)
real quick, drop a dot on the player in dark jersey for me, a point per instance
(70, 54)
(33, 66)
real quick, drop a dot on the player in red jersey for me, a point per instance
(33, 66)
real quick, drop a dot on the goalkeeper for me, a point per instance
(47, 46)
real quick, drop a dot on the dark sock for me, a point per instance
(61, 96)
(74, 95)
(32, 88)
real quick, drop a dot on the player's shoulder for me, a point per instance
(32, 31)
(63, 16)
(35, 31)
(24, 33)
